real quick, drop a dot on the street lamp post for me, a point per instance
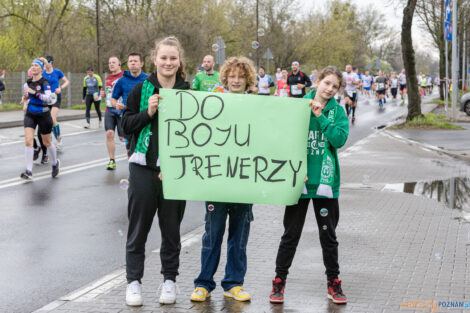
(455, 60)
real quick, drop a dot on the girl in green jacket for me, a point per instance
(328, 131)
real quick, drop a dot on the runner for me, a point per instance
(264, 82)
(402, 81)
(394, 85)
(350, 93)
(92, 87)
(422, 84)
(328, 132)
(38, 113)
(278, 74)
(2, 85)
(367, 83)
(381, 86)
(53, 76)
(297, 81)
(237, 76)
(282, 87)
(112, 118)
(123, 87)
(313, 79)
(207, 79)
(429, 84)
(140, 124)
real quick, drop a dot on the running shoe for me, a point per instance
(45, 159)
(55, 169)
(335, 293)
(277, 294)
(36, 153)
(200, 294)
(111, 165)
(59, 145)
(237, 293)
(27, 175)
(134, 294)
(99, 124)
(87, 126)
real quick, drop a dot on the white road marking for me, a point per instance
(64, 135)
(108, 282)
(63, 171)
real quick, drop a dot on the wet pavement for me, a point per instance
(65, 239)
(394, 247)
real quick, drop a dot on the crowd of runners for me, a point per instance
(132, 99)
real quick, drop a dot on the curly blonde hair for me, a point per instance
(246, 67)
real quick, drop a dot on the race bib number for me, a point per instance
(295, 90)
(381, 86)
(282, 93)
(350, 94)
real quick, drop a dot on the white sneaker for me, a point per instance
(99, 124)
(87, 125)
(59, 145)
(168, 294)
(134, 294)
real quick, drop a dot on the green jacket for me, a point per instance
(322, 128)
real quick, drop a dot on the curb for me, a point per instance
(78, 116)
(460, 155)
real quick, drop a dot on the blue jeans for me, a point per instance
(240, 216)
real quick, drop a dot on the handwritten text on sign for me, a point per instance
(232, 148)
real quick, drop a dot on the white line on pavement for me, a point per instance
(65, 135)
(108, 282)
(63, 171)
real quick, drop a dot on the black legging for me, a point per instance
(35, 144)
(88, 101)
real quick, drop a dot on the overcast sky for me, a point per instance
(393, 14)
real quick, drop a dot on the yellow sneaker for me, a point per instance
(238, 293)
(200, 294)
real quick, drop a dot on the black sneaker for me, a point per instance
(27, 175)
(45, 159)
(335, 293)
(55, 169)
(36, 153)
(277, 294)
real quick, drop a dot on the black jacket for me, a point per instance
(133, 120)
(299, 78)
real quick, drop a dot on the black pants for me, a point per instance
(294, 219)
(88, 101)
(145, 199)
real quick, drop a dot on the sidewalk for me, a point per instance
(394, 247)
(15, 118)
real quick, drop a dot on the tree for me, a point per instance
(414, 98)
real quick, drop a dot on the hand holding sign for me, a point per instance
(316, 106)
(153, 104)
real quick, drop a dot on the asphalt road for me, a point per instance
(57, 235)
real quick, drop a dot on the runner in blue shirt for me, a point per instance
(121, 90)
(54, 76)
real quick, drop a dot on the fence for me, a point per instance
(71, 96)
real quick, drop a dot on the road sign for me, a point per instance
(377, 64)
(220, 53)
(268, 54)
(448, 31)
(448, 11)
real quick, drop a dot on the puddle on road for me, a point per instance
(453, 192)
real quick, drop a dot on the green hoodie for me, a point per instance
(322, 128)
